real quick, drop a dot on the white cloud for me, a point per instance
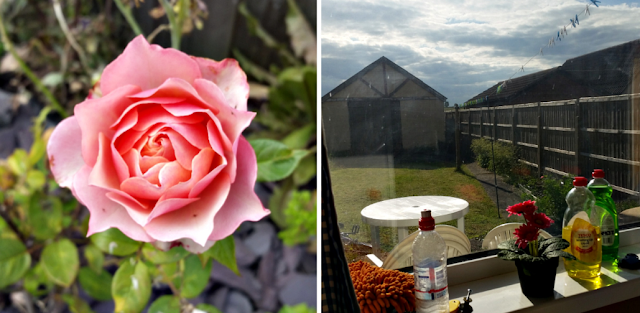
(460, 48)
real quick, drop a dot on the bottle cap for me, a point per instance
(579, 181)
(598, 174)
(426, 222)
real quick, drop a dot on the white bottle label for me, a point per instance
(607, 231)
(430, 283)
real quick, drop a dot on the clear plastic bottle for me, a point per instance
(430, 268)
(581, 228)
(609, 216)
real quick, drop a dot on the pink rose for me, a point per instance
(160, 155)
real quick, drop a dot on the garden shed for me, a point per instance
(383, 109)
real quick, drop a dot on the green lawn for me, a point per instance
(355, 188)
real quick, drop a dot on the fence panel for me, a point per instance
(574, 136)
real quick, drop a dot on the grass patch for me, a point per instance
(356, 188)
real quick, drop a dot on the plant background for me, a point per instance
(47, 264)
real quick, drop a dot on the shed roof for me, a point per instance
(389, 93)
(606, 72)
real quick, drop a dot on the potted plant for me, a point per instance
(536, 258)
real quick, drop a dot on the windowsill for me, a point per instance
(496, 287)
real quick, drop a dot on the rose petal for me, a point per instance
(153, 174)
(159, 114)
(228, 75)
(233, 121)
(194, 247)
(105, 213)
(147, 162)
(142, 105)
(132, 158)
(242, 204)
(135, 210)
(175, 87)
(102, 173)
(195, 134)
(194, 221)
(223, 147)
(172, 173)
(97, 115)
(169, 205)
(141, 188)
(147, 66)
(184, 151)
(65, 151)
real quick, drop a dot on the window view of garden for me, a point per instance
(158, 156)
(409, 119)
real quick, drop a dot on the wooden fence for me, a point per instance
(562, 137)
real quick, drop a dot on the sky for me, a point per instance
(460, 48)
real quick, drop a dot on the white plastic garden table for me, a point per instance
(404, 212)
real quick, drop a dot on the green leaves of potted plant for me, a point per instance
(536, 258)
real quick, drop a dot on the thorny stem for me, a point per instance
(27, 71)
(72, 41)
(126, 11)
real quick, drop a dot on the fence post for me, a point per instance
(481, 127)
(495, 124)
(540, 148)
(458, 130)
(513, 125)
(578, 125)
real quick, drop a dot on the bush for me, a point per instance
(505, 156)
(550, 193)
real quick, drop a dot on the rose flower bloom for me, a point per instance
(160, 155)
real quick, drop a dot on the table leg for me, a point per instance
(461, 224)
(375, 239)
(403, 232)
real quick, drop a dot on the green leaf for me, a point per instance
(544, 244)
(60, 262)
(511, 246)
(131, 287)
(94, 257)
(275, 160)
(207, 308)
(35, 179)
(76, 305)
(169, 273)
(44, 216)
(305, 170)
(195, 276)
(224, 251)
(98, 286)
(165, 304)
(555, 247)
(113, 241)
(299, 138)
(34, 279)
(300, 308)
(161, 257)
(558, 253)
(18, 162)
(38, 149)
(14, 261)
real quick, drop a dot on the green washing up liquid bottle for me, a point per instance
(609, 216)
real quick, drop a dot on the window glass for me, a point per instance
(546, 91)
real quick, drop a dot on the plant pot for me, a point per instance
(537, 278)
